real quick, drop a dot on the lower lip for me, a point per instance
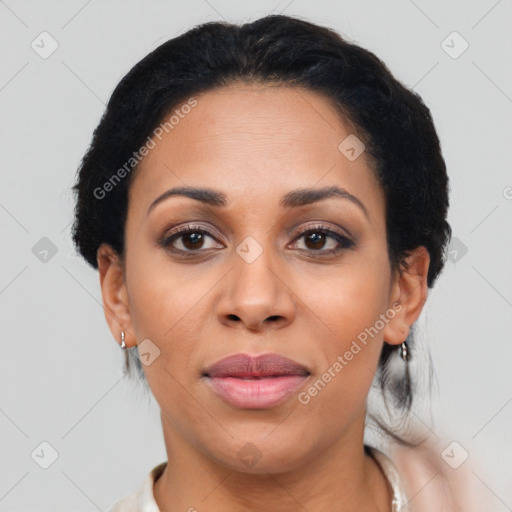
(256, 393)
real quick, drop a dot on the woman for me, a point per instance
(266, 206)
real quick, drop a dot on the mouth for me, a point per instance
(255, 382)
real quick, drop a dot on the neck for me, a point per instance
(342, 474)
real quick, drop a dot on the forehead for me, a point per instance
(255, 142)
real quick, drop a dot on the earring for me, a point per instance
(123, 344)
(404, 351)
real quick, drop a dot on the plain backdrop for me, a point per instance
(61, 370)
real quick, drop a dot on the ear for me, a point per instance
(409, 289)
(114, 293)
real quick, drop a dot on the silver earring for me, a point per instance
(123, 344)
(404, 351)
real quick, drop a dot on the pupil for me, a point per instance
(194, 238)
(315, 238)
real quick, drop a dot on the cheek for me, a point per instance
(161, 294)
(351, 306)
(350, 353)
(348, 301)
(170, 307)
(167, 310)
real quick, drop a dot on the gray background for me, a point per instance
(61, 379)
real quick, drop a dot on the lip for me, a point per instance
(255, 382)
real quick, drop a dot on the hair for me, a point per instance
(390, 119)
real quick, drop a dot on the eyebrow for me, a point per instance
(293, 199)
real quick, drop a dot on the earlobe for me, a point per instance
(114, 293)
(410, 291)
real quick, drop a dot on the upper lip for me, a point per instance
(246, 366)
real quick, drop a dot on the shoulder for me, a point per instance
(431, 483)
(142, 500)
(126, 504)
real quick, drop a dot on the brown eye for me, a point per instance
(193, 240)
(189, 239)
(316, 240)
(324, 241)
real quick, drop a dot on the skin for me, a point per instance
(256, 143)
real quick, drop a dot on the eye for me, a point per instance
(192, 240)
(188, 239)
(316, 240)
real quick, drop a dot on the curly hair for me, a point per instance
(392, 121)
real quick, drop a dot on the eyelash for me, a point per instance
(168, 239)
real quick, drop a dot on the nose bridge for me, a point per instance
(255, 273)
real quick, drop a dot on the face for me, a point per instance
(261, 271)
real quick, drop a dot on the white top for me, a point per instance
(143, 500)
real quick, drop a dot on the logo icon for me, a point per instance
(44, 455)
(249, 250)
(147, 352)
(456, 250)
(44, 250)
(454, 455)
(44, 45)
(351, 147)
(454, 45)
(249, 454)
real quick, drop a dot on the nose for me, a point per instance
(256, 294)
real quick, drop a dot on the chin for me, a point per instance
(262, 453)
